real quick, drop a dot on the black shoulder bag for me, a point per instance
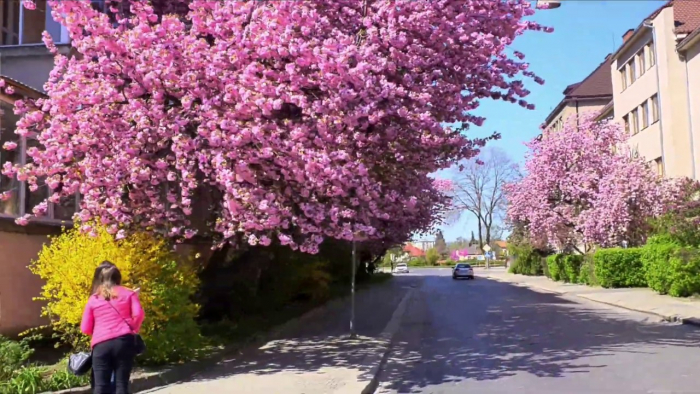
(80, 363)
(139, 344)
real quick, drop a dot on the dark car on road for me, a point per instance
(462, 270)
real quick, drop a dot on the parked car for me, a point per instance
(462, 270)
(401, 268)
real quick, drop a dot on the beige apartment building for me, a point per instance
(656, 83)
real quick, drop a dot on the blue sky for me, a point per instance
(585, 31)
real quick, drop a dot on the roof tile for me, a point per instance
(686, 14)
(598, 83)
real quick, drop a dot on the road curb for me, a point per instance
(389, 333)
(690, 321)
(189, 370)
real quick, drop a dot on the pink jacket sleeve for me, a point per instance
(87, 325)
(137, 313)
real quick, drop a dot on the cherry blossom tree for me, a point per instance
(584, 187)
(254, 121)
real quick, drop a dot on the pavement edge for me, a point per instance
(690, 321)
(387, 334)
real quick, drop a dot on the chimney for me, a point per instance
(627, 35)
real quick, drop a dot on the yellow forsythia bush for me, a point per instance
(167, 283)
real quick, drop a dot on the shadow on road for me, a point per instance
(453, 331)
(504, 330)
(318, 350)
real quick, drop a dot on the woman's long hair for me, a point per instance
(107, 276)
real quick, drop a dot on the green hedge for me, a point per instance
(619, 267)
(587, 271)
(685, 273)
(418, 262)
(670, 268)
(555, 266)
(656, 255)
(564, 267)
(527, 262)
(572, 267)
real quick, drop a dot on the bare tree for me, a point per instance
(478, 189)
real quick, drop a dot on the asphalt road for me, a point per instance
(484, 336)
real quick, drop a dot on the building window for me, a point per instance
(21, 200)
(645, 114)
(635, 121)
(659, 167)
(623, 77)
(626, 120)
(633, 71)
(642, 62)
(20, 26)
(650, 51)
(8, 119)
(654, 108)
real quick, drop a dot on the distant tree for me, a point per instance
(458, 244)
(440, 244)
(432, 256)
(478, 190)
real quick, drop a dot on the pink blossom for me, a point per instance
(23, 220)
(29, 4)
(583, 187)
(242, 120)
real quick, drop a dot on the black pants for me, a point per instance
(115, 356)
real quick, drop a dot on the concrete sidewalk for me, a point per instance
(685, 310)
(315, 355)
(309, 355)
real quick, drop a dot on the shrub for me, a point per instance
(670, 268)
(13, 355)
(685, 273)
(432, 256)
(618, 267)
(167, 283)
(656, 255)
(63, 380)
(527, 262)
(587, 271)
(545, 267)
(572, 267)
(34, 379)
(555, 266)
(26, 380)
(417, 262)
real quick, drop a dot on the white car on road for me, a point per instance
(401, 268)
(463, 270)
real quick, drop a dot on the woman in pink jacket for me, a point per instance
(113, 317)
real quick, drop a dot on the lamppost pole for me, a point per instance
(352, 289)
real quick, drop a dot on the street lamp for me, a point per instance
(548, 4)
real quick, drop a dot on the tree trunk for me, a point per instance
(481, 238)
